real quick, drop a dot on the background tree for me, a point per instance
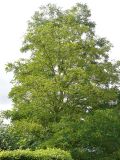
(6, 139)
(67, 75)
(95, 137)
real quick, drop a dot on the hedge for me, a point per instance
(47, 154)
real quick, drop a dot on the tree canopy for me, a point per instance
(66, 86)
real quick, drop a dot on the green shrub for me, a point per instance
(48, 154)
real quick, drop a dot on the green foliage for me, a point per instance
(48, 154)
(66, 93)
(6, 141)
(96, 136)
(28, 134)
(68, 70)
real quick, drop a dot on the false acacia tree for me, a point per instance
(67, 75)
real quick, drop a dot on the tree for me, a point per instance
(67, 75)
(95, 137)
(6, 142)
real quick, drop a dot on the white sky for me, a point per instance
(14, 15)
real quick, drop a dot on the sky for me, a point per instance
(14, 15)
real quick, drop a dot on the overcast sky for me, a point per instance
(14, 15)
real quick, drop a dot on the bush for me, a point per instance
(48, 154)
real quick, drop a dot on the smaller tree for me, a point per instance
(27, 134)
(97, 136)
(5, 137)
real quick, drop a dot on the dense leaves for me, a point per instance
(95, 136)
(68, 70)
(66, 93)
(48, 154)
